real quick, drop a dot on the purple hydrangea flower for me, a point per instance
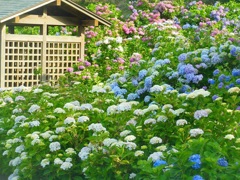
(182, 57)
(220, 85)
(214, 97)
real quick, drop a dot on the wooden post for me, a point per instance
(2, 54)
(81, 33)
(44, 46)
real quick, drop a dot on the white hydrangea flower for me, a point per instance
(35, 141)
(58, 161)
(234, 90)
(49, 104)
(181, 122)
(8, 100)
(98, 89)
(124, 106)
(19, 149)
(5, 153)
(132, 122)
(34, 135)
(155, 156)
(196, 132)
(155, 140)
(177, 112)
(14, 175)
(156, 89)
(130, 145)
(66, 165)
(50, 117)
(139, 153)
(69, 106)
(119, 39)
(10, 131)
(108, 141)
(161, 148)
(197, 93)
(59, 111)
(17, 110)
(83, 154)
(15, 162)
(130, 138)
(52, 137)
(150, 121)
(112, 110)
(54, 146)
(162, 118)
(138, 112)
(37, 91)
(70, 151)
(46, 134)
(152, 107)
(33, 108)
(125, 133)
(167, 106)
(96, 127)
(20, 98)
(83, 119)
(86, 106)
(34, 123)
(17, 140)
(118, 144)
(24, 155)
(20, 119)
(60, 130)
(69, 120)
(229, 136)
(45, 162)
(132, 175)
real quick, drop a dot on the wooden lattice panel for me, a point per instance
(21, 58)
(59, 57)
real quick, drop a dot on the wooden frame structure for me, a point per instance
(21, 54)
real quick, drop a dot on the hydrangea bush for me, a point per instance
(157, 96)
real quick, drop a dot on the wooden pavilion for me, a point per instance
(22, 54)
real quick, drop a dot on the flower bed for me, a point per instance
(156, 97)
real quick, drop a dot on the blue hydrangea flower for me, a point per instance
(159, 162)
(118, 91)
(231, 85)
(184, 88)
(186, 26)
(236, 72)
(220, 85)
(205, 58)
(142, 74)
(216, 72)
(238, 81)
(141, 91)
(227, 78)
(233, 51)
(132, 96)
(211, 81)
(134, 82)
(196, 158)
(222, 162)
(148, 82)
(147, 99)
(197, 177)
(113, 84)
(214, 97)
(216, 59)
(182, 57)
(221, 78)
(204, 52)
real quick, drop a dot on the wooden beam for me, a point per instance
(59, 2)
(2, 54)
(50, 20)
(89, 22)
(82, 50)
(17, 19)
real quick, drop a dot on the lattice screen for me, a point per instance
(59, 57)
(21, 58)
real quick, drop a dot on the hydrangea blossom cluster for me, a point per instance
(196, 159)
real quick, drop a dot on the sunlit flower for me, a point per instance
(229, 136)
(155, 140)
(45, 162)
(54, 146)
